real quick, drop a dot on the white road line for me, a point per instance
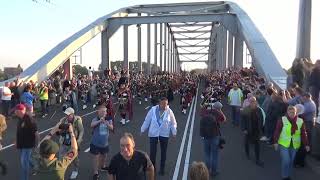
(177, 168)
(186, 162)
(8, 146)
(87, 150)
(147, 107)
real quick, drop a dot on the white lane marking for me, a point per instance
(186, 162)
(87, 150)
(147, 107)
(8, 146)
(177, 168)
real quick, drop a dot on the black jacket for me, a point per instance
(209, 127)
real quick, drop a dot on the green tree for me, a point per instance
(77, 69)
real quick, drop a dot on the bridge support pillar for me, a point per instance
(125, 64)
(304, 29)
(148, 70)
(139, 45)
(230, 50)
(169, 52)
(165, 67)
(224, 48)
(238, 52)
(161, 46)
(67, 69)
(155, 47)
(105, 61)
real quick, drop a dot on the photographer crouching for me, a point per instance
(65, 136)
(51, 167)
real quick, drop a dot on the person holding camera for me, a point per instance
(65, 136)
(210, 133)
(51, 167)
(99, 146)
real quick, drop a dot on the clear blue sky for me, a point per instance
(29, 29)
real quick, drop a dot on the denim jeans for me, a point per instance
(153, 150)
(211, 150)
(235, 114)
(287, 158)
(44, 104)
(25, 161)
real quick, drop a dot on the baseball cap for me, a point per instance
(217, 105)
(20, 107)
(69, 111)
(48, 147)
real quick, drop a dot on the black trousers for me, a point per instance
(153, 150)
(44, 104)
(256, 144)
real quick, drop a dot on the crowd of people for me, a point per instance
(282, 118)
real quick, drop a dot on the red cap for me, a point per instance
(20, 107)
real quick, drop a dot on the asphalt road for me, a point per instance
(186, 148)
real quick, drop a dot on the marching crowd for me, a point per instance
(282, 118)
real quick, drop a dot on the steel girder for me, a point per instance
(230, 15)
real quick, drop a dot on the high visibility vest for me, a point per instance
(43, 94)
(286, 137)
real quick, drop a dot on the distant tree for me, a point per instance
(78, 69)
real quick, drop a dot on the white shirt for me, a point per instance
(6, 90)
(235, 97)
(167, 124)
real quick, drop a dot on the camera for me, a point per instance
(64, 129)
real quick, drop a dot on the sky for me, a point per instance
(29, 29)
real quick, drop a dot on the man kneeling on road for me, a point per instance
(49, 166)
(65, 137)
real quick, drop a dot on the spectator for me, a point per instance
(198, 171)
(99, 146)
(6, 98)
(44, 96)
(27, 138)
(130, 164)
(210, 133)
(309, 114)
(160, 120)
(289, 132)
(252, 124)
(51, 167)
(65, 138)
(314, 83)
(3, 127)
(27, 99)
(235, 98)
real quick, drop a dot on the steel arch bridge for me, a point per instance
(211, 32)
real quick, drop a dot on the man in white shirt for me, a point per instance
(160, 120)
(6, 98)
(235, 98)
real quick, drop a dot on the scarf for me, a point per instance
(294, 125)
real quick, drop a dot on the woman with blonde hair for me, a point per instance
(199, 171)
(3, 127)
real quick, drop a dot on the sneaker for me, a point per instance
(139, 102)
(260, 163)
(95, 176)
(146, 99)
(93, 106)
(263, 138)
(123, 121)
(43, 116)
(84, 107)
(74, 175)
(106, 168)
